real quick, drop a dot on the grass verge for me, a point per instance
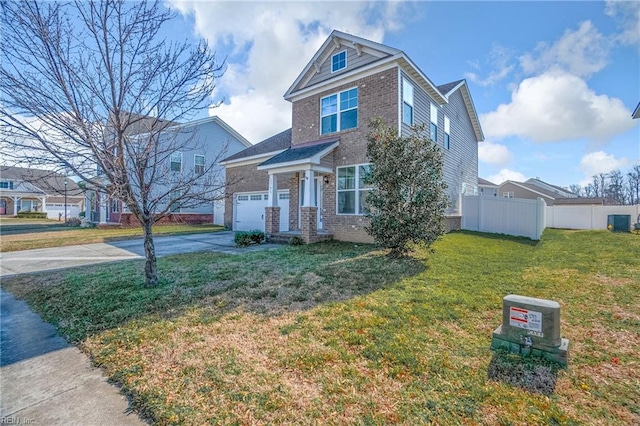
(27, 239)
(339, 334)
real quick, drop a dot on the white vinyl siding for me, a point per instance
(447, 132)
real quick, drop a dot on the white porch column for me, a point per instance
(15, 206)
(104, 205)
(273, 191)
(309, 189)
(44, 204)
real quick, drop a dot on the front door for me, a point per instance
(317, 200)
(3, 206)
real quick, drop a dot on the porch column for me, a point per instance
(309, 188)
(44, 204)
(104, 205)
(272, 211)
(15, 206)
(309, 212)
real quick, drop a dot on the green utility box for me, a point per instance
(619, 222)
(531, 327)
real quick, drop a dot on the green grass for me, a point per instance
(338, 333)
(21, 237)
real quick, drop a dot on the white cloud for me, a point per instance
(627, 14)
(557, 106)
(582, 52)
(600, 162)
(505, 175)
(271, 43)
(494, 153)
(500, 60)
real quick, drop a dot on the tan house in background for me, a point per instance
(34, 190)
(532, 189)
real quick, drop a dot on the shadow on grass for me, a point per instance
(521, 240)
(532, 374)
(89, 300)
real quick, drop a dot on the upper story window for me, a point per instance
(352, 190)
(339, 111)
(339, 61)
(6, 184)
(507, 194)
(176, 161)
(433, 128)
(407, 102)
(447, 132)
(198, 164)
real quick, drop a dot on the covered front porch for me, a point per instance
(309, 167)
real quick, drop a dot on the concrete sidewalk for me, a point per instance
(44, 380)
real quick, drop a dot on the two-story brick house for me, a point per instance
(308, 179)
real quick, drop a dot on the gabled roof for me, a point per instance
(636, 112)
(541, 183)
(388, 56)
(274, 143)
(45, 181)
(531, 188)
(485, 182)
(220, 122)
(302, 153)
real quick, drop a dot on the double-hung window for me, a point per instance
(339, 111)
(433, 128)
(6, 184)
(407, 102)
(174, 204)
(176, 161)
(198, 164)
(447, 132)
(352, 190)
(339, 61)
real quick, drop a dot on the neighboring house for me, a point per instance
(208, 138)
(533, 189)
(557, 190)
(486, 188)
(24, 189)
(636, 112)
(308, 180)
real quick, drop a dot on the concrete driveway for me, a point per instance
(43, 379)
(26, 261)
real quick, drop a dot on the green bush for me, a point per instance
(247, 238)
(296, 241)
(32, 215)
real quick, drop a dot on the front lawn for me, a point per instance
(338, 333)
(18, 237)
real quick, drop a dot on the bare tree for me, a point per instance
(92, 84)
(615, 188)
(633, 185)
(576, 189)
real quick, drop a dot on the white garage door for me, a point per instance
(55, 210)
(249, 210)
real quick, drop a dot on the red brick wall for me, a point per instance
(129, 220)
(377, 96)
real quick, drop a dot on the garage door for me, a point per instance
(57, 210)
(249, 210)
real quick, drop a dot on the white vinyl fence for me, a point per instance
(587, 217)
(511, 216)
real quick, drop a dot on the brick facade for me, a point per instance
(308, 224)
(271, 220)
(129, 220)
(377, 96)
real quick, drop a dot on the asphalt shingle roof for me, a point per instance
(275, 143)
(301, 153)
(445, 88)
(50, 182)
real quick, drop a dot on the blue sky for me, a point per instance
(554, 83)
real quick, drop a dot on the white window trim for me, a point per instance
(507, 194)
(407, 98)
(357, 189)
(447, 132)
(345, 61)
(433, 118)
(338, 110)
(171, 161)
(195, 163)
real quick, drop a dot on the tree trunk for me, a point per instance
(151, 264)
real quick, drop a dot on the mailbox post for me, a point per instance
(531, 327)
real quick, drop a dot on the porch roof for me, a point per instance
(306, 154)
